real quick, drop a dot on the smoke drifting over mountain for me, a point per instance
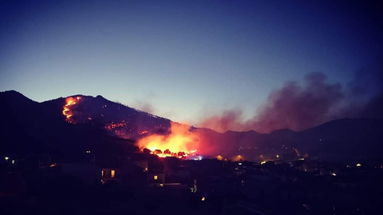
(370, 86)
(227, 120)
(145, 106)
(298, 106)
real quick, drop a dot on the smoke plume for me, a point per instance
(298, 106)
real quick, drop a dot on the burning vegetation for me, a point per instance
(180, 142)
(115, 125)
(70, 102)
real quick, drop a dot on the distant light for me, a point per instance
(13, 161)
(53, 165)
(194, 188)
(238, 158)
(155, 177)
(198, 158)
(277, 156)
(240, 163)
(161, 185)
(88, 151)
(358, 165)
(146, 169)
(203, 198)
(263, 162)
(219, 157)
(333, 174)
(6, 158)
(301, 159)
(112, 173)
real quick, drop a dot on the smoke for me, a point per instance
(368, 85)
(227, 120)
(298, 106)
(145, 106)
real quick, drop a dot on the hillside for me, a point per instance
(97, 123)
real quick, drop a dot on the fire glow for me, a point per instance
(180, 142)
(67, 109)
(115, 125)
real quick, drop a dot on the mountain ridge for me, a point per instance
(98, 119)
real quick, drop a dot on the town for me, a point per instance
(143, 183)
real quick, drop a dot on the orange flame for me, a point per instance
(67, 111)
(181, 142)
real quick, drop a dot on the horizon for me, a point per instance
(191, 107)
(186, 123)
(188, 61)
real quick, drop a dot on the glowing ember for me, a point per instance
(238, 158)
(219, 157)
(116, 125)
(181, 142)
(143, 132)
(67, 109)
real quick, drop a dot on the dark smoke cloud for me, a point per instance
(298, 106)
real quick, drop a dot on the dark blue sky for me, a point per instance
(185, 58)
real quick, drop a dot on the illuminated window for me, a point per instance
(112, 173)
(102, 173)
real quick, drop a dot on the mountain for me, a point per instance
(340, 140)
(117, 119)
(29, 128)
(66, 127)
(355, 139)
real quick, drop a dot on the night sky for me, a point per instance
(183, 59)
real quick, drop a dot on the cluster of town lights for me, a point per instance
(6, 158)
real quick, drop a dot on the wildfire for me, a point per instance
(116, 125)
(67, 109)
(181, 142)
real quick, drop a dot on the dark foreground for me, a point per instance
(172, 186)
